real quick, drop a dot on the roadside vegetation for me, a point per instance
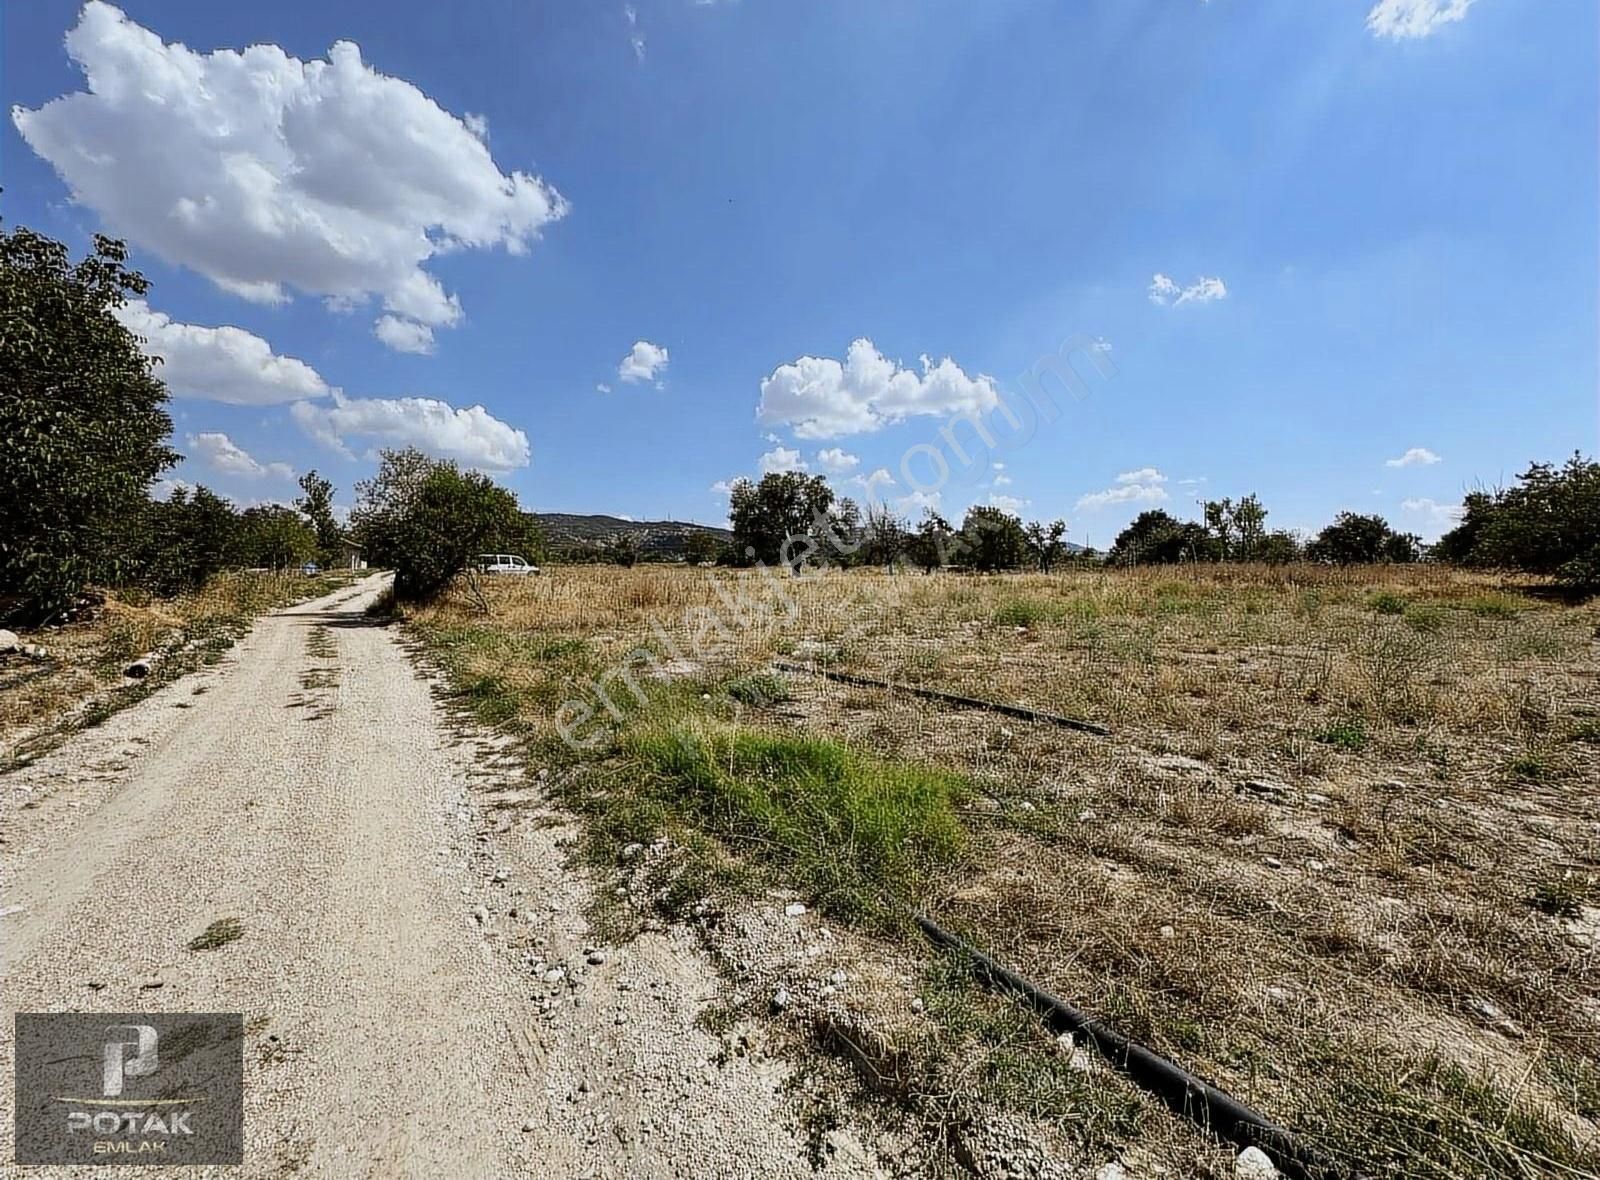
(1338, 855)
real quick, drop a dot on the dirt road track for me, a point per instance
(400, 1020)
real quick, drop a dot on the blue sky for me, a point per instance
(1375, 231)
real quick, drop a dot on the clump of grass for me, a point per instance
(1350, 733)
(1386, 602)
(1586, 731)
(1530, 768)
(759, 689)
(217, 935)
(1426, 617)
(1493, 606)
(1027, 612)
(1560, 896)
(842, 824)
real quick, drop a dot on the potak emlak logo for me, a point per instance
(117, 1088)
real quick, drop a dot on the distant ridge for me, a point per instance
(564, 530)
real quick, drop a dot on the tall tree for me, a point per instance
(1550, 524)
(1047, 543)
(1158, 538)
(82, 421)
(790, 518)
(993, 539)
(935, 543)
(316, 502)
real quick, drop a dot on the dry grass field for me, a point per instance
(1338, 855)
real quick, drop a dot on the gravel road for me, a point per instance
(419, 990)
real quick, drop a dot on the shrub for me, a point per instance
(759, 689)
(1386, 602)
(1027, 612)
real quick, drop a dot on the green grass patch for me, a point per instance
(759, 689)
(842, 824)
(1028, 612)
(1426, 617)
(1347, 734)
(1386, 602)
(1494, 606)
(1585, 731)
(1530, 768)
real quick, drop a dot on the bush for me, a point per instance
(1386, 602)
(1027, 612)
(1550, 524)
(759, 689)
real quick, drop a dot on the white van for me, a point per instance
(505, 563)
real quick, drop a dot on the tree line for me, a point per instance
(1549, 523)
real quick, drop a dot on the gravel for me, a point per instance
(387, 1032)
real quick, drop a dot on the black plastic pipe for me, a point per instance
(949, 698)
(1185, 1094)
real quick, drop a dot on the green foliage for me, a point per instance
(1047, 544)
(842, 823)
(426, 519)
(1279, 547)
(1347, 734)
(316, 503)
(1157, 538)
(1387, 602)
(1238, 529)
(700, 547)
(934, 543)
(1354, 539)
(992, 539)
(1028, 612)
(884, 537)
(81, 417)
(791, 518)
(759, 689)
(1549, 524)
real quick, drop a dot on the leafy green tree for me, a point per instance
(993, 539)
(274, 537)
(790, 518)
(884, 536)
(1237, 528)
(1047, 544)
(700, 546)
(1550, 524)
(426, 519)
(316, 503)
(82, 421)
(1279, 547)
(935, 543)
(1158, 538)
(1357, 539)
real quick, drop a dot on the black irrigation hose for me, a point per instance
(949, 698)
(1187, 1095)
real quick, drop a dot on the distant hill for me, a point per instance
(657, 538)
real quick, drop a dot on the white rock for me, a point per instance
(837, 977)
(1316, 866)
(530, 1125)
(1273, 862)
(9, 641)
(1087, 816)
(596, 958)
(794, 909)
(631, 851)
(1277, 995)
(780, 999)
(1254, 1164)
(1111, 1171)
(481, 913)
(1168, 932)
(502, 875)
(1025, 805)
(916, 1004)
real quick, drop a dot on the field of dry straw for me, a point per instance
(1339, 854)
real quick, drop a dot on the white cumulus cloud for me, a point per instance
(264, 172)
(404, 335)
(1401, 20)
(1166, 293)
(220, 364)
(1144, 486)
(1438, 516)
(819, 397)
(220, 453)
(782, 459)
(1006, 503)
(1415, 457)
(472, 436)
(837, 461)
(643, 362)
(872, 484)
